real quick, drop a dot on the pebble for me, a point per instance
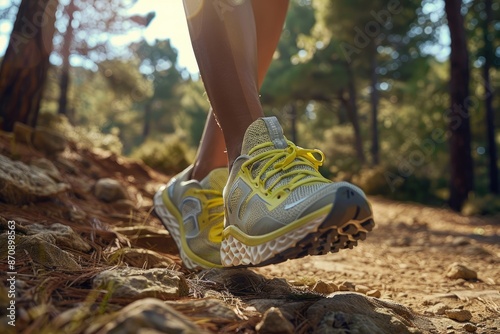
(48, 141)
(457, 270)
(374, 293)
(362, 289)
(109, 190)
(471, 328)
(458, 314)
(324, 287)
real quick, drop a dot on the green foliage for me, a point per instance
(144, 95)
(386, 180)
(84, 137)
(482, 205)
(170, 156)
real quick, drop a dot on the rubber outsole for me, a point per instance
(349, 221)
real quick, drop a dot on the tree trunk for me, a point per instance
(24, 68)
(374, 108)
(490, 113)
(353, 115)
(462, 179)
(147, 120)
(65, 54)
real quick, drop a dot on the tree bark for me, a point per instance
(65, 54)
(374, 98)
(353, 115)
(24, 68)
(462, 179)
(490, 113)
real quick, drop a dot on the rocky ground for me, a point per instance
(91, 257)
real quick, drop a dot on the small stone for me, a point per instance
(471, 328)
(41, 251)
(362, 289)
(374, 293)
(457, 270)
(48, 168)
(60, 235)
(48, 141)
(109, 190)
(437, 309)
(138, 283)
(458, 314)
(324, 287)
(274, 322)
(22, 184)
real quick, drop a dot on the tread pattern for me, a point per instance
(310, 239)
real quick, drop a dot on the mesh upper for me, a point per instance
(270, 131)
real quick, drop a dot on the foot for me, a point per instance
(279, 207)
(193, 213)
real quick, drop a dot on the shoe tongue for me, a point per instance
(263, 130)
(215, 180)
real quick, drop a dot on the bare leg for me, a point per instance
(212, 150)
(233, 59)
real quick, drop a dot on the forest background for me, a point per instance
(400, 96)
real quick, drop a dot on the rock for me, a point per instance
(437, 309)
(457, 270)
(63, 236)
(355, 313)
(48, 141)
(42, 252)
(22, 184)
(22, 133)
(138, 283)
(109, 190)
(145, 316)
(362, 289)
(273, 322)
(458, 314)
(374, 293)
(324, 287)
(141, 258)
(471, 328)
(48, 168)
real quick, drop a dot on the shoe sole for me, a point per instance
(349, 220)
(173, 227)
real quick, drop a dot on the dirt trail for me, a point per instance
(405, 259)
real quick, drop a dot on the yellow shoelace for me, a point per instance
(214, 201)
(282, 161)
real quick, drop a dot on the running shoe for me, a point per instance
(279, 207)
(193, 213)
